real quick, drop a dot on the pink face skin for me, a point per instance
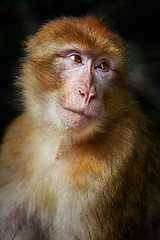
(84, 78)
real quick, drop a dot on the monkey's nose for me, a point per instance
(87, 94)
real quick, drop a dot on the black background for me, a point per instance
(136, 21)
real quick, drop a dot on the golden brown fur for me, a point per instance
(97, 183)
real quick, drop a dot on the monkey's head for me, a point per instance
(73, 77)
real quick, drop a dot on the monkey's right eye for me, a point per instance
(75, 58)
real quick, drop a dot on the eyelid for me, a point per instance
(67, 53)
(73, 53)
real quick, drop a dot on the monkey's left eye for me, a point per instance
(104, 66)
(75, 58)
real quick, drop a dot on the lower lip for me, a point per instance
(73, 119)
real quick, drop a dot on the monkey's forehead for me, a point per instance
(87, 32)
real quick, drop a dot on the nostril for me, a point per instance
(81, 93)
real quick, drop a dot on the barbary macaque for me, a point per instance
(81, 162)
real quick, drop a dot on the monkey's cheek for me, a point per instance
(73, 120)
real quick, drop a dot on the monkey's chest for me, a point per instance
(67, 223)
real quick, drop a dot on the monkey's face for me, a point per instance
(80, 102)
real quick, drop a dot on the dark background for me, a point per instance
(137, 22)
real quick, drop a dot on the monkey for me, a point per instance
(82, 161)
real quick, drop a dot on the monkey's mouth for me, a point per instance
(81, 112)
(73, 118)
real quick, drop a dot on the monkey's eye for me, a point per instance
(104, 66)
(75, 58)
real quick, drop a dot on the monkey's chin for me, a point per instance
(73, 119)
